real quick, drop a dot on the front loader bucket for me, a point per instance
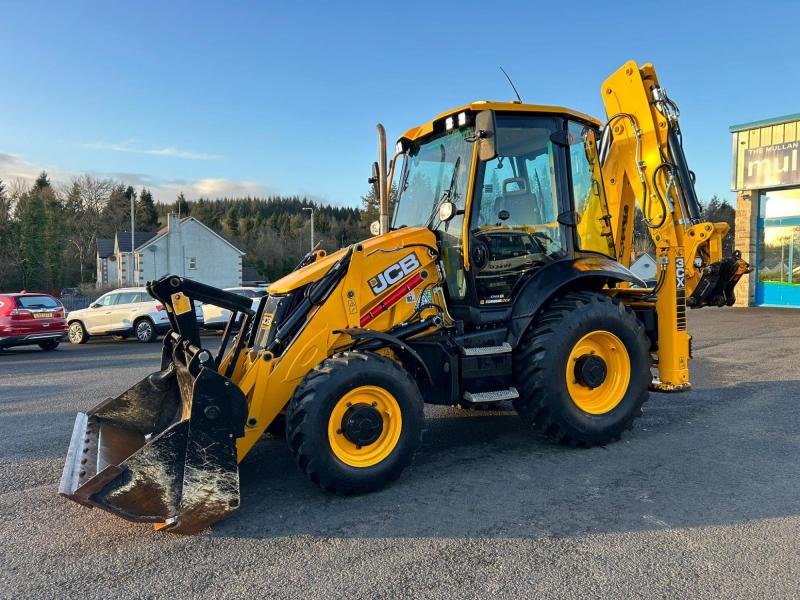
(164, 451)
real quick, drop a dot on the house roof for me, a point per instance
(105, 248)
(165, 230)
(646, 257)
(250, 274)
(139, 238)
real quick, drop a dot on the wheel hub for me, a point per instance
(590, 370)
(362, 424)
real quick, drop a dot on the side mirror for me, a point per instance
(375, 180)
(485, 128)
(447, 210)
(375, 227)
(94, 305)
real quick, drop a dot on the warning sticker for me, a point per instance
(181, 303)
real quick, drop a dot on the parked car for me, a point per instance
(216, 317)
(122, 313)
(29, 318)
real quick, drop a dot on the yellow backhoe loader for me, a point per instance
(503, 276)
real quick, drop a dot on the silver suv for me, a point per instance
(120, 314)
(216, 317)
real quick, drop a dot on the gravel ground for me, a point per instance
(699, 500)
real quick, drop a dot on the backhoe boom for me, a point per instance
(644, 165)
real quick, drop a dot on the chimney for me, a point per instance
(173, 222)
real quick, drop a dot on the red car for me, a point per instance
(29, 318)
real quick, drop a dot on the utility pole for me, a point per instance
(311, 211)
(132, 266)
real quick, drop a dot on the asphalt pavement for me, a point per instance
(701, 499)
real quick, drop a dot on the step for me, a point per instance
(497, 396)
(504, 348)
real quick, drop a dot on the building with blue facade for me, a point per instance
(766, 179)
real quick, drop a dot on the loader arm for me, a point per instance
(643, 164)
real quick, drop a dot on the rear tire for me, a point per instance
(579, 407)
(77, 333)
(351, 397)
(49, 345)
(144, 330)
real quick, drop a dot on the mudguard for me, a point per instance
(593, 272)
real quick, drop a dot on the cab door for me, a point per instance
(515, 224)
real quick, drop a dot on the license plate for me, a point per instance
(43, 315)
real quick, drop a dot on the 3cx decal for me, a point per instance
(680, 273)
(394, 273)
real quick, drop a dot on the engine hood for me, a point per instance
(407, 236)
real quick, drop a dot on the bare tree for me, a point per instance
(85, 198)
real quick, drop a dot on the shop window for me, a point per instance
(779, 204)
(779, 255)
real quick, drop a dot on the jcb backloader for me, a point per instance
(502, 276)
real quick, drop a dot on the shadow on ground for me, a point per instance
(694, 460)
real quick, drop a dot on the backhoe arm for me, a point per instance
(643, 164)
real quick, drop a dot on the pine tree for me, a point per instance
(42, 181)
(370, 207)
(182, 206)
(146, 213)
(117, 211)
(54, 238)
(32, 220)
(232, 221)
(5, 205)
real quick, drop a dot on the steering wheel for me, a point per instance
(479, 253)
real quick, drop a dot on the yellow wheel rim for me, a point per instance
(606, 396)
(391, 420)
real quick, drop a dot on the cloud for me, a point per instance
(225, 187)
(132, 147)
(14, 167)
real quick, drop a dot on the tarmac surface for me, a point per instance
(701, 499)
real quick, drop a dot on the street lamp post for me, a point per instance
(311, 213)
(132, 266)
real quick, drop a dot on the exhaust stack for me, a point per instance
(383, 194)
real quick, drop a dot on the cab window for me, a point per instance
(436, 169)
(593, 229)
(515, 227)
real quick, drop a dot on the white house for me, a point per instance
(184, 247)
(112, 258)
(644, 267)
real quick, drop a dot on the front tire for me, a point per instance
(77, 333)
(355, 422)
(144, 330)
(583, 370)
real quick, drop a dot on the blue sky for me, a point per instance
(282, 97)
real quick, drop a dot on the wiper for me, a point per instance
(445, 196)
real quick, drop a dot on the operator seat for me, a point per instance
(518, 202)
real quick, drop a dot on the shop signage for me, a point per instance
(771, 166)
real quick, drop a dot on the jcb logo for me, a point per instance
(680, 273)
(394, 273)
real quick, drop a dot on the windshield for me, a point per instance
(427, 176)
